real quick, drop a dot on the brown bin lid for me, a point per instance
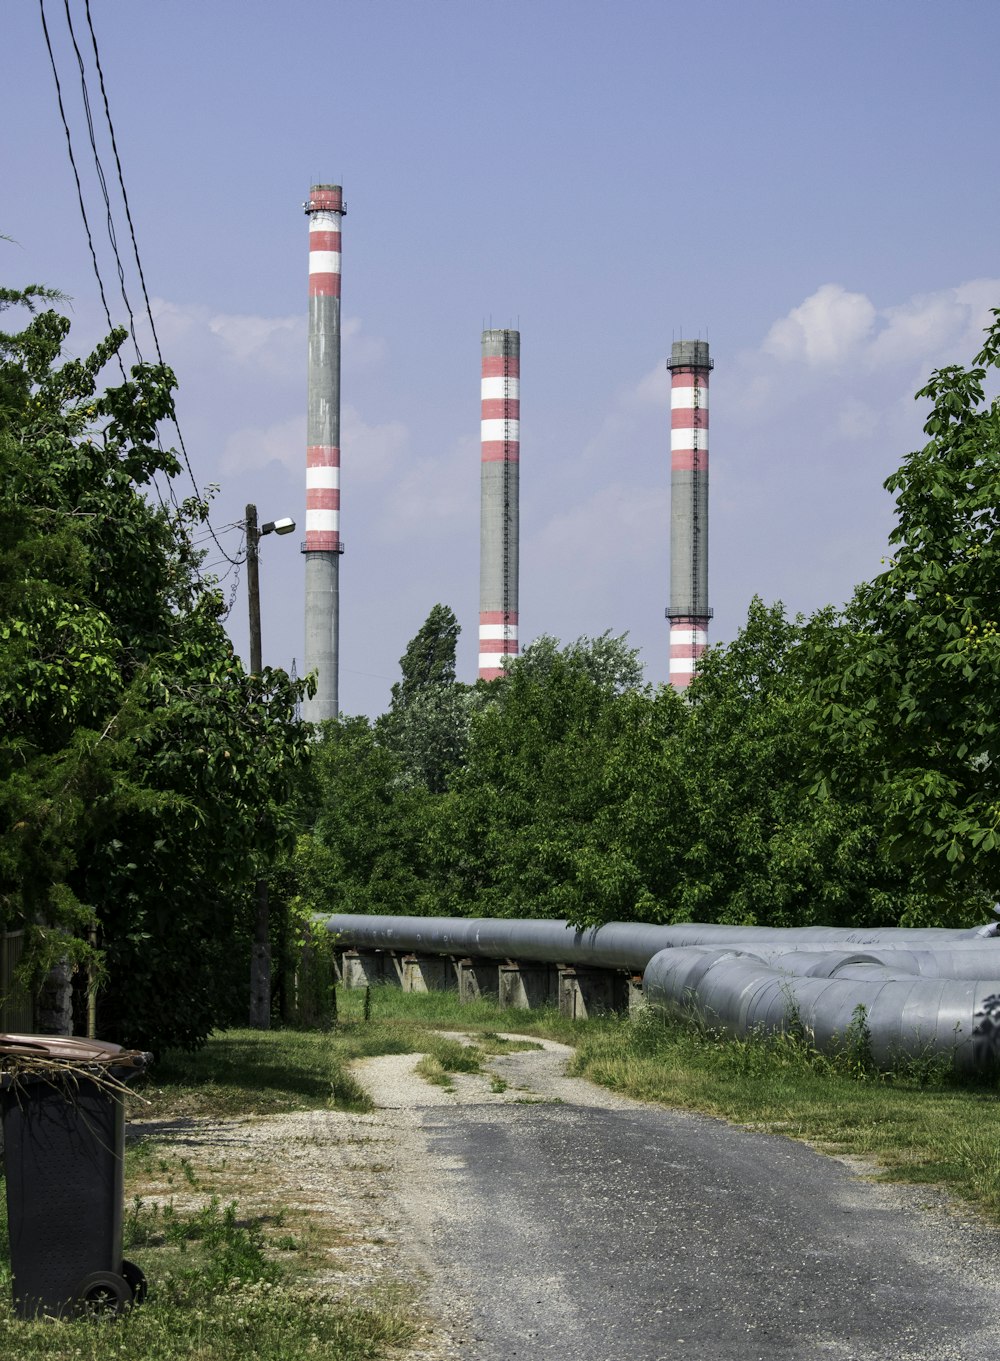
(69, 1049)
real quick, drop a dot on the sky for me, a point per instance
(810, 186)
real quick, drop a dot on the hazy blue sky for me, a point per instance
(813, 186)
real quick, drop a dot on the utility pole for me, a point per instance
(260, 953)
(253, 587)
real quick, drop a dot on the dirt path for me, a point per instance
(536, 1074)
(357, 1189)
(555, 1218)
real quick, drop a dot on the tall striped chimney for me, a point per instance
(688, 611)
(322, 545)
(498, 524)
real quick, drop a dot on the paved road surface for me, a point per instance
(606, 1230)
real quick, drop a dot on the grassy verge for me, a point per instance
(244, 1071)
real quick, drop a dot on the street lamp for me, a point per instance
(254, 535)
(260, 958)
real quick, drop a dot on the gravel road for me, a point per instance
(557, 1219)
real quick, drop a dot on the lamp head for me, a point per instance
(284, 526)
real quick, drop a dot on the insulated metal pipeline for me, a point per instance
(906, 1017)
(618, 945)
(925, 991)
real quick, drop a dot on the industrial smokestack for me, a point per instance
(688, 611)
(501, 446)
(322, 546)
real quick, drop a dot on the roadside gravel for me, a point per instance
(519, 1212)
(361, 1183)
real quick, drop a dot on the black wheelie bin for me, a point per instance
(64, 1143)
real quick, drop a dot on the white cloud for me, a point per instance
(360, 351)
(655, 387)
(252, 340)
(431, 494)
(271, 347)
(861, 365)
(583, 561)
(856, 419)
(250, 449)
(824, 330)
(936, 328)
(373, 452)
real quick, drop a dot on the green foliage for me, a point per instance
(606, 660)
(143, 774)
(359, 850)
(429, 734)
(427, 726)
(216, 1249)
(839, 769)
(910, 683)
(429, 658)
(759, 848)
(856, 1056)
(519, 832)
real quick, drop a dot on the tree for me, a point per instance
(142, 772)
(427, 726)
(359, 847)
(514, 835)
(761, 848)
(909, 684)
(607, 660)
(429, 658)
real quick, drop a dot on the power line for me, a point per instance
(76, 176)
(112, 236)
(102, 181)
(135, 251)
(111, 225)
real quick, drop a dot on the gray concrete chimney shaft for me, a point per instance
(323, 545)
(500, 435)
(688, 611)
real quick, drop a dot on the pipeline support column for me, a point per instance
(688, 611)
(323, 546)
(498, 548)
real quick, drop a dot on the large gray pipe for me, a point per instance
(925, 991)
(616, 945)
(906, 1017)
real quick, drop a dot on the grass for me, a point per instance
(222, 1287)
(920, 1125)
(446, 1056)
(279, 1071)
(227, 1283)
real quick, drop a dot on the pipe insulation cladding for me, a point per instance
(500, 435)
(688, 611)
(926, 991)
(323, 546)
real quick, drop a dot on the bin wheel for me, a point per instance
(102, 1294)
(136, 1281)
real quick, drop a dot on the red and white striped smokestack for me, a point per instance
(501, 451)
(688, 612)
(323, 545)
